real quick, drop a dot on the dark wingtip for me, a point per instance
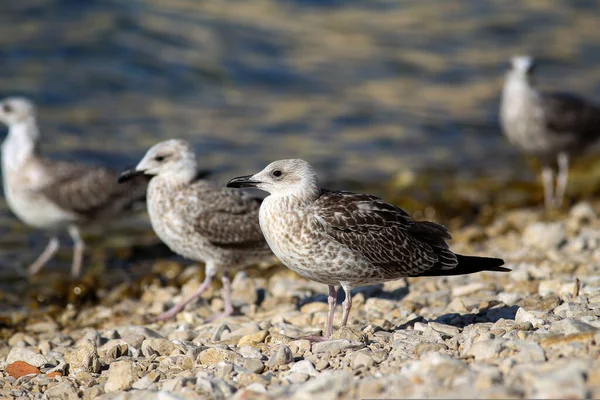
(492, 264)
(128, 174)
(470, 265)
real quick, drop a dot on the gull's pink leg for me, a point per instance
(78, 250)
(347, 305)
(46, 255)
(173, 311)
(332, 301)
(226, 297)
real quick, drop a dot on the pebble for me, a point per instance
(335, 346)
(26, 355)
(21, 368)
(304, 367)
(544, 235)
(214, 355)
(281, 357)
(121, 376)
(159, 346)
(83, 358)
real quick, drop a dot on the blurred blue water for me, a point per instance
(360, 89)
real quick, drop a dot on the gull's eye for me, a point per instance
(277, 173)
(159, 158)
(7, 108)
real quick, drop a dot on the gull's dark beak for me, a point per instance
(242, 182)
(532, 68)
(129, 174)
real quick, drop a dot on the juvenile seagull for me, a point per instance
(198, 219)
(347, 239)
(551, 126)
(54, 195)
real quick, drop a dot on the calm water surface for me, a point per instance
(363, 90)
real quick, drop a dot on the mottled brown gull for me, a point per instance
(347, 239)
(54, 195)
(551, 126)
(200, 220)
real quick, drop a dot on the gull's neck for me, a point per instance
(182, 177)
(299, 198)
(517, 85)
(21, 144)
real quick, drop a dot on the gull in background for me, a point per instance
(55, 195)
(198, 219)
(552, 126)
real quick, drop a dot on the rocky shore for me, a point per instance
(531, 333)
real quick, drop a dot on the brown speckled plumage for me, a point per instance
(348, 239)
(198, 219)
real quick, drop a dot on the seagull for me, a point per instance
(198, 219)
(55, 195)
(348, 239)
(551, 126)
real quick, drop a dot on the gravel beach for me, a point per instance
(530, 333)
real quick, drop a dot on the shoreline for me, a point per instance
(533, 332)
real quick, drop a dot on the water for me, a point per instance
(362, 90)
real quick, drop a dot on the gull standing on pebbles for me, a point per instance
(198, 219)
(347, 239)
(551, 126)
(54, 195)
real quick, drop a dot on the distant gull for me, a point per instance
(198, 219)
(551, 126)
(55, 195)
(347, 239)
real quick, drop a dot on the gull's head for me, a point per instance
(281, 178)
(172, 157)
(523, 65)
(16, 110)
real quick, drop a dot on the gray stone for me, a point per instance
(214, 355)
(83, 358)
(62, 391)
(253, 365)
(162, 347)
(447, 330)
(544, 235)
(304, 367)
(121, 376)
(250, 352)
(26, 355)
(147, 380)
(256, 387)
(529, 316)
(328, 385)
(281, 357)
(133, 340)
(362, 358)
(335, 346)
(486, 349)
(570, 326)
(138, 330)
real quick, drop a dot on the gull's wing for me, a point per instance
(384, 234)
(569, 114)
(91, 191)
(226, 217)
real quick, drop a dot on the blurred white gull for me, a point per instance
(55, 195)
(551, 126)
